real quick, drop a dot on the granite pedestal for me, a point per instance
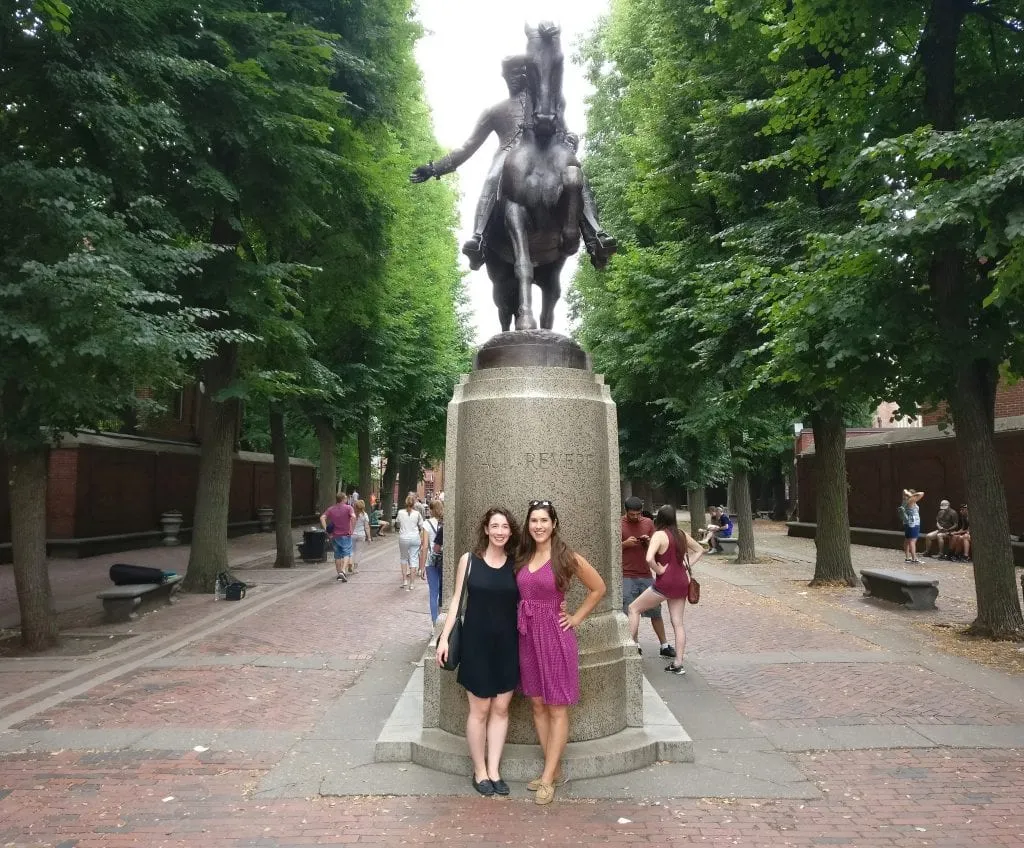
(533, 421)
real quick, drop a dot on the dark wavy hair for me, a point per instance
(563, 560)
(481, 531)
(666, 520)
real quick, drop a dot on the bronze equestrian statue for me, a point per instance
(535, 185)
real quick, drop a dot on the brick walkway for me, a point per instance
(166, 737)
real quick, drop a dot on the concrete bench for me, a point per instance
(124, 603)
(914, 591)
(730, 546)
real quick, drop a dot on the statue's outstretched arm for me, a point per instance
(448, 163)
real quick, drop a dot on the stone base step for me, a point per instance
(662, 738)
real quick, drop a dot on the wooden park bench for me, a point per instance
(124, 603)
(914, 591)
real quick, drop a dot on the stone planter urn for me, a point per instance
(265, 516)
(170, 524)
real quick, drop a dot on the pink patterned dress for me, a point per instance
(549, 660)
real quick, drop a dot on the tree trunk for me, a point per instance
(744, 515)
(972, 404)
(832, 563)
(387, 484)
(779, 495)
(698, 504)
(282, 490)
(365, 463)
(209, 554)
(27, 487)
(327, 485)
(972, 408)
(408, 479)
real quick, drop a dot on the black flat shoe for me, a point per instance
(500, 787)
(484, 787)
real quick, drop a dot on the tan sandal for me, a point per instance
(536, 783)
(545, 794)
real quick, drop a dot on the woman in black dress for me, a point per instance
(489, 668)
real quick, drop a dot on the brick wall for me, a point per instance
(877, 475)
(100, 486)
(1009, 402)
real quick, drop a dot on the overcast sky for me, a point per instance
(460, 56)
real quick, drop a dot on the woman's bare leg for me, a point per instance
(476, 734)
(497, 730)
(647, 599)
(558, 736)
(676, 608)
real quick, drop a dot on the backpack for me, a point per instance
(901, 510)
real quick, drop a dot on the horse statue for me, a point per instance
(536, 223)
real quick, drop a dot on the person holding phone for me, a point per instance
(636, 576)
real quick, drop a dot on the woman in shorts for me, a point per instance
(410, 538)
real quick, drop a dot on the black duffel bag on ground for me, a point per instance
(123, 574)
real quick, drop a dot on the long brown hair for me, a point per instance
(481, 531)
(666, 520)
(563, 561)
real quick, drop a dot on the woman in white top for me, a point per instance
(360, 533)
(410, 538)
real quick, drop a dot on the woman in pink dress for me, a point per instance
(670, 555)
(549, 665)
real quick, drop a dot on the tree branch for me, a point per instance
(990, 14)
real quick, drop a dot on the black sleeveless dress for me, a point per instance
(490, 638)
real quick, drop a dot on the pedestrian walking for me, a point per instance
(360, 534)
(435, 539)
(410, 538)
(670, 556)
(489, 666)
(549, 666)
(337, 521)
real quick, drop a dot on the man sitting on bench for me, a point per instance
(719, 528)
(946, 521)
(377, 523)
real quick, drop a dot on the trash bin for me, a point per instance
(314, 545)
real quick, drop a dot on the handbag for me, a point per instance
(693, 592)
(451, 662)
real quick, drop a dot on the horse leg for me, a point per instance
(572, 191)
(506, 290)
(515, 225)
(551, 291)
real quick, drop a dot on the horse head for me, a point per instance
(544, 62)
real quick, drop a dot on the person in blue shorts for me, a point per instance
(910, 513)
(340, 519)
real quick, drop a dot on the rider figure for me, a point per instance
(505, 119)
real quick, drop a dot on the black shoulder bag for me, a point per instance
(455, 637)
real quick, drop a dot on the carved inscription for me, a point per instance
(537, 460)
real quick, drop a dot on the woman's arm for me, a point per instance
(453, 610)
(657, 545)
(595, 584)
(694, 549)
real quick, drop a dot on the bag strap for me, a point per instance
(465, 587)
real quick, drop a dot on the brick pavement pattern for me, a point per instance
(872, 799)
(247, 697)
(921, 798)
(857, 693)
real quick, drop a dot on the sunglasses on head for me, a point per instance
(539, 503)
